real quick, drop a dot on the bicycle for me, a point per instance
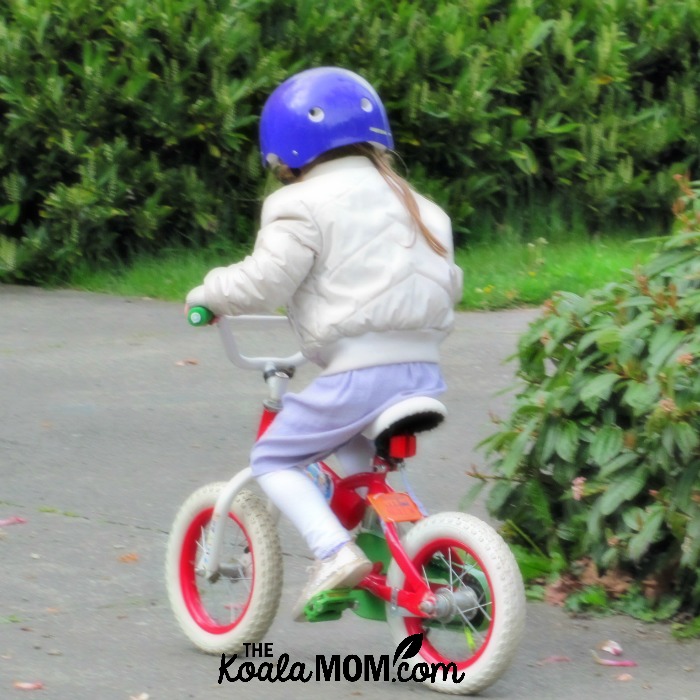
(448, 576)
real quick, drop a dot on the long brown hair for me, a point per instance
(381, 161)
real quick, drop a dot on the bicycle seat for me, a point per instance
(408, 417)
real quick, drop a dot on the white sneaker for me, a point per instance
(345, 569)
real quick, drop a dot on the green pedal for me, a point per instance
(329, 605)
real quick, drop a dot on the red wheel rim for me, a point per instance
(188, 578)
(416, 625)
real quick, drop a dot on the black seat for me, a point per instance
(408, 417)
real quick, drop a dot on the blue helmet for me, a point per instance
(318, 110)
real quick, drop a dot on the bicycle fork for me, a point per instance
(209, 563)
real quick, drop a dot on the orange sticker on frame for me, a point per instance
(395, 507)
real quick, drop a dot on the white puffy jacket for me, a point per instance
(361, 285)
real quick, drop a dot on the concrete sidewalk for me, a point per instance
(113, 410)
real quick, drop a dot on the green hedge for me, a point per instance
(597, 467)
(130, 125)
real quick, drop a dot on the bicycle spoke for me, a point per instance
(466, 565)
(225, 598)
(461, 572)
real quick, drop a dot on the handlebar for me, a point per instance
(199, 316)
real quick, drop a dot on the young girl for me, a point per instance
(365, 268)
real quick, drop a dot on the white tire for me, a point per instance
(460, 553)
(219, 617)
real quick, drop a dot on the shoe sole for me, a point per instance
(348, 579)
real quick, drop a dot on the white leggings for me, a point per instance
(331, 412)
(300, 500)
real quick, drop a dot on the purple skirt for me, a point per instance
(335, 408)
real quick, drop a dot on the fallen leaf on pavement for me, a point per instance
(23, 685)
(12, 520)
(129, 558)
(611, 647)
(553, 660)
(612, 662)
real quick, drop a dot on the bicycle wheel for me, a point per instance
(218, 616)
(481, 603)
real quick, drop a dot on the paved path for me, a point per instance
(105, 428)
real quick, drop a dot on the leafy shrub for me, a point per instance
(130, 125)
(599, 462)
(124, 128)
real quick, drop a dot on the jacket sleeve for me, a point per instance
(456, 273)
(284, 253)
(456, 283)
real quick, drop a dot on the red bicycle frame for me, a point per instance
(350, 507)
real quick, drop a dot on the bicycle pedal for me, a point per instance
(329, 605)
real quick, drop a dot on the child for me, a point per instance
(365, 268)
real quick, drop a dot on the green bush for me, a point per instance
(123, 128)
(599, 461)
(130, 125)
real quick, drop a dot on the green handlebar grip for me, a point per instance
(199, 316)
